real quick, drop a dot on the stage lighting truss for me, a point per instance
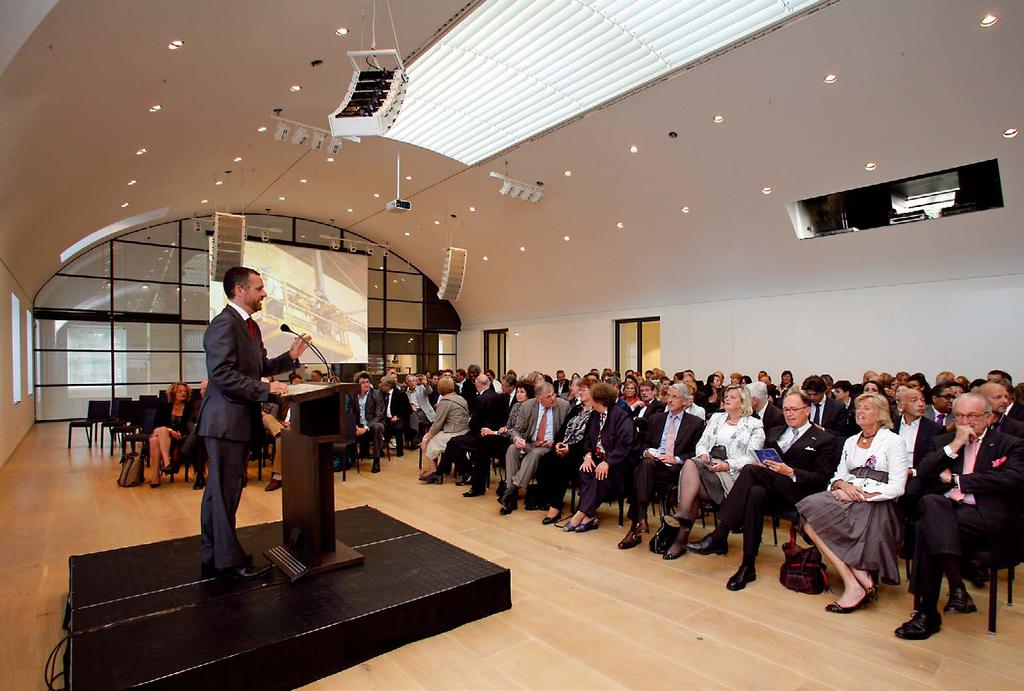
(374, 96)
(317, 139)
(517, 189)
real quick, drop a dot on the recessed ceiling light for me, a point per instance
(141, 151)
(295, 87)
(620, 224)
(408, 177)
(831, 78)
(155, 108)
(566, 238)
(131, 182)
(437, 223)
(522, 249)
(685, 209)
(204, 201)
(472, 208)
(486, 259)
(516, 333)
(125, 205)
(988, 20)
(633, 149)
(341, 31)
(175, 44)
(280, 199)
(407, 234)
(237, 159)
(376, 195)
(766, 190)
(330, 159)
(567, 173)
(1010, 133)
(261, 128)
(219, 182)
(719, 119)
(870, 165)
(349, 210)
(303, 180)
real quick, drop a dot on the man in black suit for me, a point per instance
(652, 406)
(454, 454)
(809, 459)
(491, 443)
(671, 440)
(561, 385)
(397, 411)
(918, 433)
(229, 420)
(1000, 395)
(941, 408)
(370, 425)
(470, 392)
(770, 415)
(825, 412)
(982, 472)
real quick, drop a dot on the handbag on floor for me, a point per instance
(803, 569)
(663, 538)
(131, 470)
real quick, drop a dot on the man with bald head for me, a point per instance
(532, 438)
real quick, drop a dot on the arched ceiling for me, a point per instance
(921, 87)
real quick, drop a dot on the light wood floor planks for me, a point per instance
(584, 615)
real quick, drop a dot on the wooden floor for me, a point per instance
(584, 614)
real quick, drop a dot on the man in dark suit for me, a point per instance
(455, 451)
(397, 411)
(825, 412)
(561, 385)
(469, 389)
(652, 406)
(229, 420)
(982, 471)
(671, 439)
(770, 415)
(370, 425)
(1000, 395)
(491, 443)
(941, 408)
(809, 458)
(918, 433)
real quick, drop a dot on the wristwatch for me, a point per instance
(956, 481)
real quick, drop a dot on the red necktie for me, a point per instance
(542, 428)
(252, 328)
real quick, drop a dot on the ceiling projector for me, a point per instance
(398, 206)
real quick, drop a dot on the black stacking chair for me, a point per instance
(141, 434)
(130, 418)
(113, 420)
(98, 412)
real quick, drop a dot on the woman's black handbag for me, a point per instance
(803, 569)
(663, 538)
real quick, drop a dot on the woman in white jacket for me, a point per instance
(854, 522)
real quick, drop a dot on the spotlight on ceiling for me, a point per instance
(284, 128)
(517, 189)
(301, 136)
(318, 141)
(374, 96)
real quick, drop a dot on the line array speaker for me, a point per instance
(228, 244)
(453, 274)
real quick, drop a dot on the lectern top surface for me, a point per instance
(298, 389)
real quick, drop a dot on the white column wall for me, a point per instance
(15, 420)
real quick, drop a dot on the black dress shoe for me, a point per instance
(200, 483)
(500, 491)
(474, 493)
(707, 545)
(208, 571)
(739, 580)
(920, 627)
(435, 479)
(548, 520)
(674, 552)
(376, 466)
(959, 602)
(509, 500)
(243, 573)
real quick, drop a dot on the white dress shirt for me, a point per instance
(241, 311)
(908, 433)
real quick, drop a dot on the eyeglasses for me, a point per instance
(971, 416)
(795, 410)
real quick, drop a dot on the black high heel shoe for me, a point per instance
(868, 598)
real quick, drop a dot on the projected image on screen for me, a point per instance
(319, 292)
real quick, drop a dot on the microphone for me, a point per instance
(288, 330)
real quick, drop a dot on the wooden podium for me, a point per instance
(319, 419)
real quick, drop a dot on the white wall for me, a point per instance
(15, 420)
(968, 326)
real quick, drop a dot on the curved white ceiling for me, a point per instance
(921, 87)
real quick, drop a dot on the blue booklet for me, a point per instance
(767, 455)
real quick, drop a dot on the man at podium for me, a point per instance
(229, 420)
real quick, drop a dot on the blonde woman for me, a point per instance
(451, 419)
(171, 427)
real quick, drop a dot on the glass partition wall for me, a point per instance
(128, 316)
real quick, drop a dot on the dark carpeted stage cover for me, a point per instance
(141, 617)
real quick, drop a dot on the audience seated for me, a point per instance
(709, 396)
(979, 473)
(917, 433)
(451, 420)
(485, 415)
(561, 385)
(495, 441)
(770, 415)
(557, 469)
(469, 391)
(941, 408)
(825, 412)
(171, 428)
(370, 427)
(855, 523)
(422, 415)
(397, 412)
(670, 440)
(532, 437)
(726, 445)
(785, 383)
(999, 394)
(631, 397)
(809, 459)
(608, 445)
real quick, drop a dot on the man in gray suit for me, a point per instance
(532, 438)
(370, 408)
(229, 420)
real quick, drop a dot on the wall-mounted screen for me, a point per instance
(319, 292)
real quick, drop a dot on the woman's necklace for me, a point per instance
(864, 438)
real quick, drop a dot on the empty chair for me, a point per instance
(98, 412)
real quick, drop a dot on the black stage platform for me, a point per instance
(141, 617)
